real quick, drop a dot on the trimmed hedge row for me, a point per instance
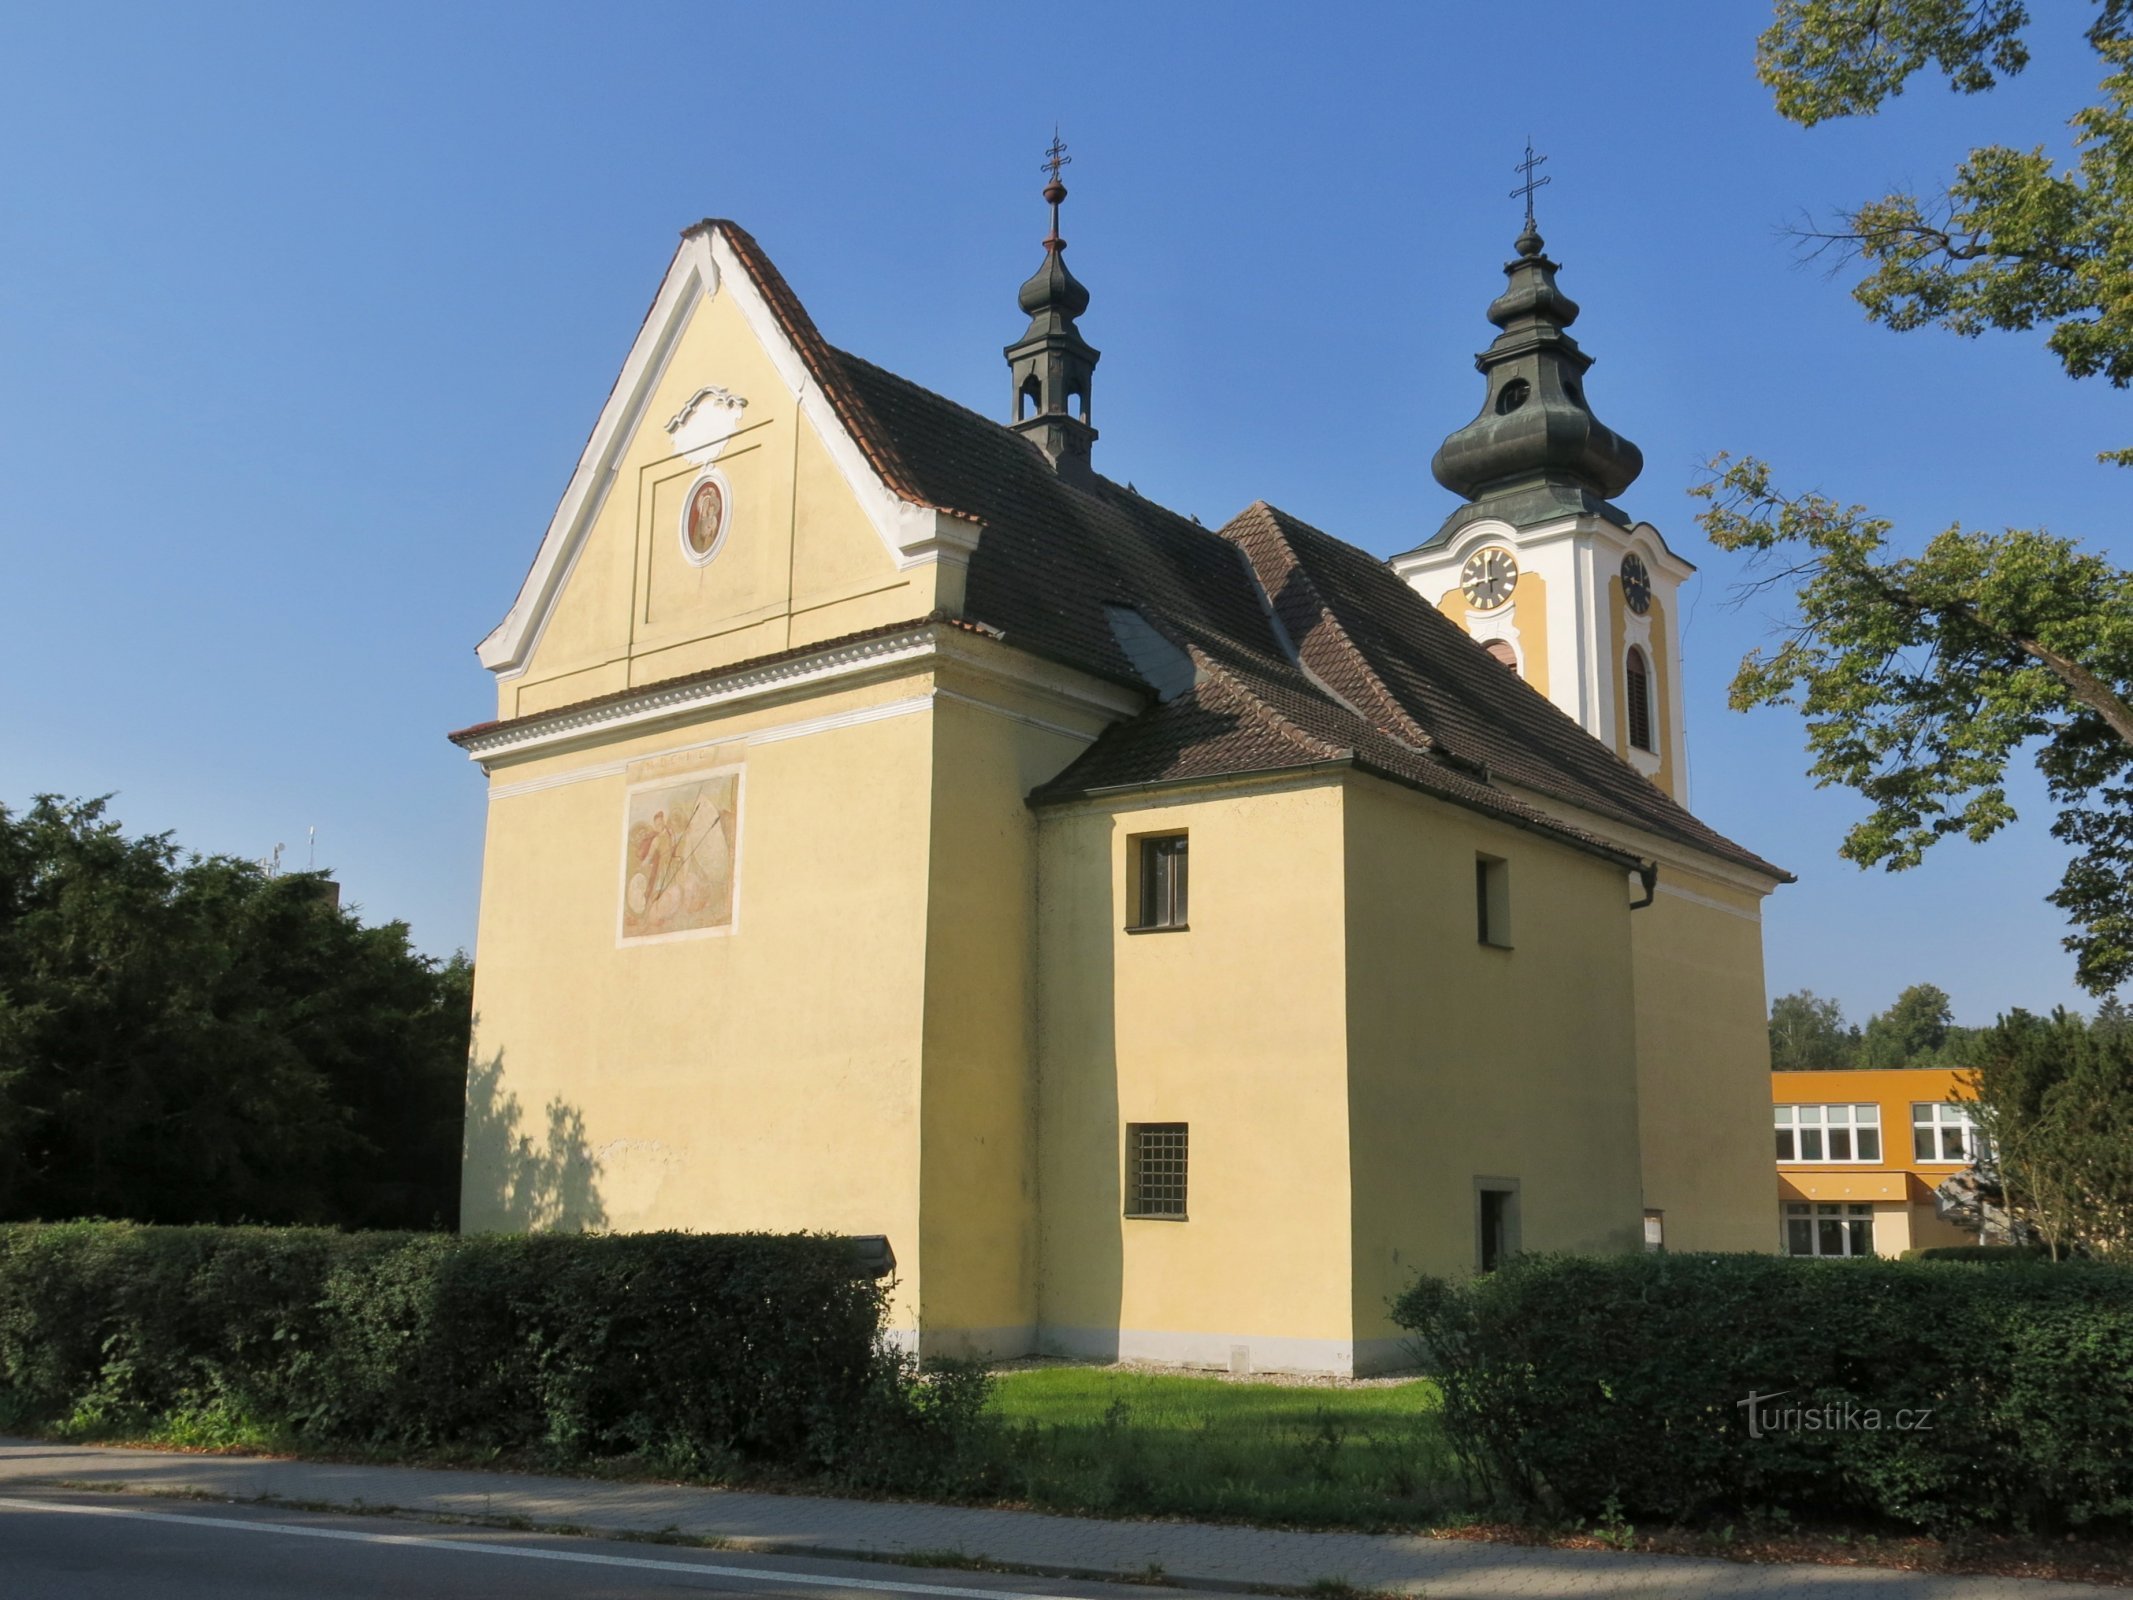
(1997, 1254)
(1938, 1394)
(702, 1352)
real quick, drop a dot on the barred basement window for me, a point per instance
(1155, 1170)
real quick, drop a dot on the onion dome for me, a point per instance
(1536, 451)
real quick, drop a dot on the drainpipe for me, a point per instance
(1648, 871)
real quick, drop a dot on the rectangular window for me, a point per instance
(1495, 1222)
(1828, 1133)
(1942, 1133)
(1655, 1230)
(1828, 1230)
(1492, 900)
(1155, 1170)
(1159, 864)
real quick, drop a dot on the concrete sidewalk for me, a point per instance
(1189, 1554)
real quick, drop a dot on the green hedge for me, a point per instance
(1998, 1254)
(701, 1352)
(1615, 1385)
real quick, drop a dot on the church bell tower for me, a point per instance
(1051, 363)
(1539, 563)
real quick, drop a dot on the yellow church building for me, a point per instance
(1173, 939)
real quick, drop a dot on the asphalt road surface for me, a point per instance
(56, 1545)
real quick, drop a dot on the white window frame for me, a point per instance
(1823, 1124)
(1854, 1223)
(1941, 1118)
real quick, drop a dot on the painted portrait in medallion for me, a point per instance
(679, 856)
(703, 519)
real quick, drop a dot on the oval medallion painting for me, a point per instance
(705, 519)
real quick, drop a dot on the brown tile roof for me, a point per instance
(1306, 651)
(1378, 674)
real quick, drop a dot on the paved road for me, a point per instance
(60, 1546)
(757, 1526)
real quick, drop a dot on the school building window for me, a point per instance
(1828, 1133)
(1829, 1230)
(1942, 1132)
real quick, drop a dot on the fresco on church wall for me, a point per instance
(678, 857)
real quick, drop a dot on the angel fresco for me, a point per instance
(677, 868)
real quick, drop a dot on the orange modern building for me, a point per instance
(1859, 1154)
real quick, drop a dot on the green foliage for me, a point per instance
(1990, 1254)
(1912, 1032)
(1842, 58)
(1922, 678)
(2015, 241)
(1809, 1034)
(2055, 1100)
(698, 1353)
(1615, 1387)
(192, 1040)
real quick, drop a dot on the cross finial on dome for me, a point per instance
(1525, 192)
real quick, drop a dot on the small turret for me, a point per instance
(1051, 363)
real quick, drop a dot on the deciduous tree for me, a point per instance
(188, 1039)
(1922, 678)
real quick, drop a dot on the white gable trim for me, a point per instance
(705, 263)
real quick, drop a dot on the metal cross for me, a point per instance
(1056, 157)
(1525, 190)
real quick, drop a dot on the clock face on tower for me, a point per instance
(1488, 578)
(1636, 584)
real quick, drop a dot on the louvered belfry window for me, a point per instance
(1638, 679)
(1155, 1176)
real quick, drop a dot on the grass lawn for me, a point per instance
(1098, 1440)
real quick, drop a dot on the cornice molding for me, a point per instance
(844, 665)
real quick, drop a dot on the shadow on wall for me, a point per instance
(512, 1183)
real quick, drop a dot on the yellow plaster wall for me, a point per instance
(764, 1078)
(1234, 1027)
(1529, 601)
(1703, 1052)
(978, 1206)
(800, 561)
(1466, 1060)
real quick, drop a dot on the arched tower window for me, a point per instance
(1637, 681)
(1502, 651)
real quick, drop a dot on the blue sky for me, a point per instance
(305, 313)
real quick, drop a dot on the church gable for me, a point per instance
(725, 507)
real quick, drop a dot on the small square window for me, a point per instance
(1159, 863)
(1492, 901)
(1155, 1170)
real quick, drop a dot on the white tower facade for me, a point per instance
(1540, 564)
